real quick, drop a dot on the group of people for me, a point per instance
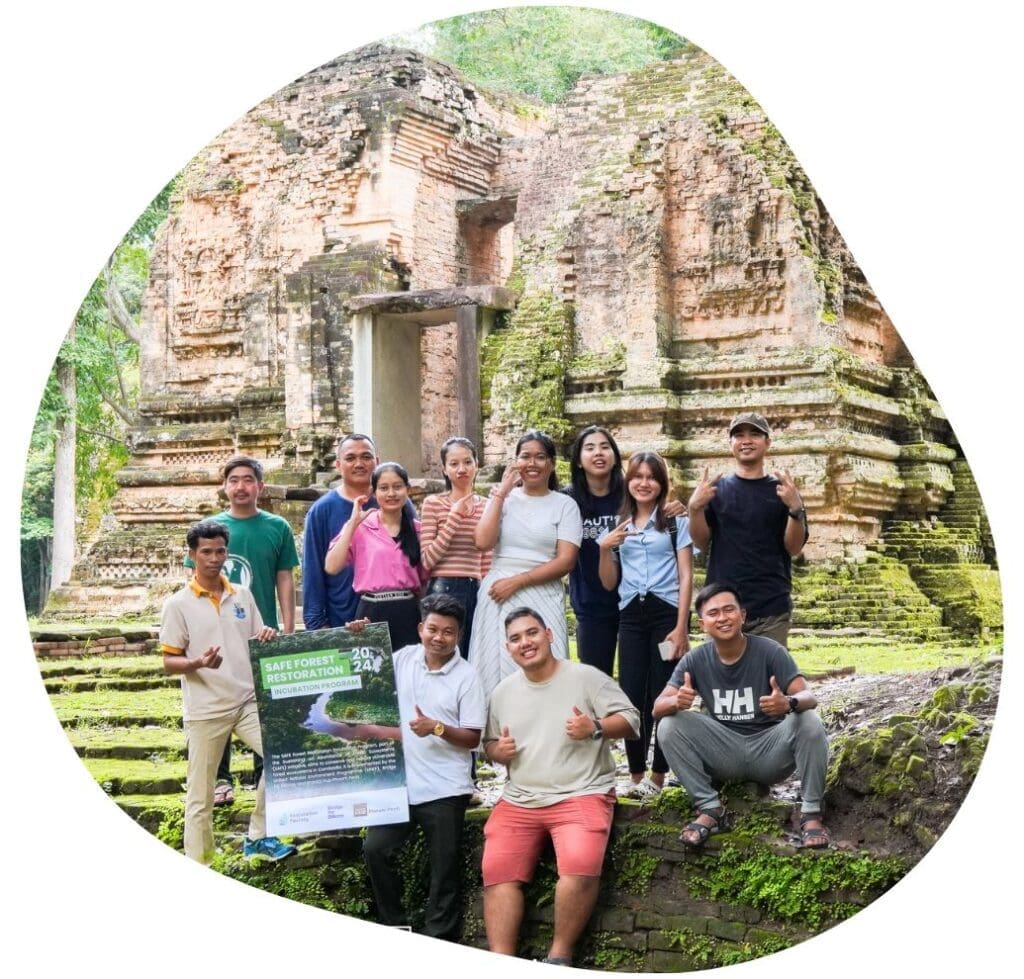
(483, 578)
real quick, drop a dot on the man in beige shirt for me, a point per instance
(204, 636)
(550, 724)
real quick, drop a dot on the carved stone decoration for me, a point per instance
(648, 254)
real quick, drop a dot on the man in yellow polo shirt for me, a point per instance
(204, 636)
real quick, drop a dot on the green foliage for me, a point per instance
(341, 888)
(523, 364)
(105, 362)
(707, 952)
(544, 51)
(613, 958)
(795, 888)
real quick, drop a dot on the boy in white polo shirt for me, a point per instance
(204, 636)
(442, 707)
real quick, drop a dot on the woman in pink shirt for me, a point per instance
(383, 547)
(449, 521)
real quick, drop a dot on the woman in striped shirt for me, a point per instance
(449, 522)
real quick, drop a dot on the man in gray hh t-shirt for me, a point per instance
(758, 722)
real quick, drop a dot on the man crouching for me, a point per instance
(550, 724)
(760, 723)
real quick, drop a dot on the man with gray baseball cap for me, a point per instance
(753, 523)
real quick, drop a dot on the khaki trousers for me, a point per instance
(206, 741)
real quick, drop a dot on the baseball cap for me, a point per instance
(753, 419)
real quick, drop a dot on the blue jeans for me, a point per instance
(464, 590)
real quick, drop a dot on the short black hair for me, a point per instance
(241, 460)
(716, 588)
(521, 613)
(354, 437)
(207, 529)
(442, 604)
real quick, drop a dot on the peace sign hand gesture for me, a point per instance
(705, 490)
(787, 491)
(615, 537)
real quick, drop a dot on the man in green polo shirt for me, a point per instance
(262, 558)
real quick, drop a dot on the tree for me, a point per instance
(89, 407)
(543, 51)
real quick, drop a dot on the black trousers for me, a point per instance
(402, 616)
(644, 623)
(442, 821)
(595, 641)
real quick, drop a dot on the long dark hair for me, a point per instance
(660, 473)
(408, 539)
(548, 444)
(580, 489)
(448, 443)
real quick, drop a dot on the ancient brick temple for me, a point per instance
(383, 247)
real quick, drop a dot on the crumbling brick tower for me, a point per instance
(380, 246)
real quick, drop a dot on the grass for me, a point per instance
(815, 655)
(869, 655)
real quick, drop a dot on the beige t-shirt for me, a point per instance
(549, 766)
(192, 622)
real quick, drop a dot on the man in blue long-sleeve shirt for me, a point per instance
(329, 601)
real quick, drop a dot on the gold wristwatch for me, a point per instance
(439, 729)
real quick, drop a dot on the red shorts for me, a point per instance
(514, 837)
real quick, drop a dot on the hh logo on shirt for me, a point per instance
(239, 612)
(737, 705)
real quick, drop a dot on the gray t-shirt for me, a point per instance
(731, 693)
(549, 766)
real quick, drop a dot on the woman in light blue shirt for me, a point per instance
(649, 558)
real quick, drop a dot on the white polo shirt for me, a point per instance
(193, 621)
(435, 769)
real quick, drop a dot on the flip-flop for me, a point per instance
(223, 794)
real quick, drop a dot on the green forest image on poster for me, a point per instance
(331, 730)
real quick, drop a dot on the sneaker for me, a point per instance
(269, 848)
(644, 790)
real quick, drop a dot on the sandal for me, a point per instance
(702, 830)
(813, 833)
(223, 794)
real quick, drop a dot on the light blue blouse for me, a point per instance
(647, 563)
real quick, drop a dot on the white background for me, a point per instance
(904, 119)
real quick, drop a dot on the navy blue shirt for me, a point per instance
(588, 597)
(748, 522)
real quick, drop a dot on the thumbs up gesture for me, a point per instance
(421, 724)
(776, 703)
(580, 726)
(504, 749)
(686, 695)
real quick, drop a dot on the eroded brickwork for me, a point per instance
(670, 261)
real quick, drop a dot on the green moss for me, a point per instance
(523, 365)
(797, 888)
(341, 888)
(613, 958)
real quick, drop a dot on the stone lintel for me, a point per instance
(438, 301)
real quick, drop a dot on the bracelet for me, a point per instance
(800, 514)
